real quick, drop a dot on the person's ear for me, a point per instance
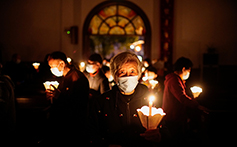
(183, 69)
(61, 65)
(98, 64)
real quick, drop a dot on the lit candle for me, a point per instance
(36, 65)
(150, 121)
(196, 91)
(151, 99)
(48, 84)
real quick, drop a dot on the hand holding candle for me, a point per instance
(196, 91)
(48, 84)
(50, 88)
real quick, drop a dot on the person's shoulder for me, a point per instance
(142, 87)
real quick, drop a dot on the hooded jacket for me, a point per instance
(175, 99)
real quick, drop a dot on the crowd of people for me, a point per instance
(97, 107)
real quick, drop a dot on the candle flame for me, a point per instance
(151, 98)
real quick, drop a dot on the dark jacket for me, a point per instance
(114, 119)
(175, 99)
(98, 83)
(68, 111)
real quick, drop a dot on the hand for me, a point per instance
(152, 135)
(50, 94)
(204, 109)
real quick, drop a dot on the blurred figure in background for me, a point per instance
(97, 80)
(17, 71)
(70, 101)
(176, 101)
(7, 109)
(108, 75)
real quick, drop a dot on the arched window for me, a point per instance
(111, 26)
(116, 20)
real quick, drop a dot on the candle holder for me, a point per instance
(150, 119)
(48, 84)
(196, 91)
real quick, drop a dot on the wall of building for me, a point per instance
(35, 28)
(203, 23)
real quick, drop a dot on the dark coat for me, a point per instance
(175, 99)
(68, 111)
(114, 119)
(98, 83)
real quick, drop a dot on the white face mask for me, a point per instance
(127, 84)
(89, 68)
(56, 72)
(185, 77)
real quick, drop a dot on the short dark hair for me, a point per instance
(58, 55)
(96, 58)
(181, 63)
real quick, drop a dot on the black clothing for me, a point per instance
(115, 119)
(68, 112)
(7, 109)
(98, 83)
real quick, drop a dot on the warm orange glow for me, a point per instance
(145, 111)
(48, 84)
(150, 121)
(196, 89)
(36, 65)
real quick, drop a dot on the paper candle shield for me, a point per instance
(196, 89)
(48, 83)
(150, 122)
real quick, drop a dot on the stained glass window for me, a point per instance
(116, 20)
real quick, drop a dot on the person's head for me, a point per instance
(126, 69)
(57, 62)
(151, 73)
(16, 58)
(183, 67)
(94, 63)
(107, 73)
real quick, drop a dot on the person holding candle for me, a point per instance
(114, 120)
(70, 100)
(176, 101)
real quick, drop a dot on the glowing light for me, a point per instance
(145, 111)
(36, 65)
(69, 60)
(137, 48)
(150, 121)
(132, 47)
(82, 64)
(68, 32)
(48, 84)
(196, 89)
(139, 57)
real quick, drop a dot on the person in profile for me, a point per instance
(176, 101)
(97, 80)
(70, 101)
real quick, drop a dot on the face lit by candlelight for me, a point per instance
(56, 66)
(128, 69)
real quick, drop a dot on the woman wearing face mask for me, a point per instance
(115, 118)
(176, 101)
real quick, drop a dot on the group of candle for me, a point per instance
(151, 117)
